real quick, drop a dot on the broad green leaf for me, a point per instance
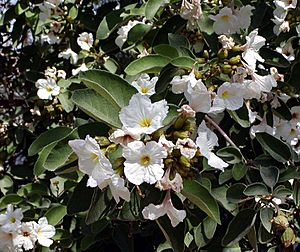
(55, 214)
(10, 199)
(137, 33)
(205, 24)
(178, 41)
(256, 189)
(166, 50)
(47, 138)
(282, 192)
(112, 87)
(66, 101)
(241, 116)
(239, 170)
(152, 6)
(183, 62)
(219, 193)
(174, 235)
(269, 175)
(39, 167)
(225, 176)
(275, 147)
(202, 198)
(149, 64)
(273, 58)
(266, 215)
(230, 154)
(282, 111)
(263, 235)
(97, 107)
(6, 184)
(210, 227)
(239, 226)
(235, 193)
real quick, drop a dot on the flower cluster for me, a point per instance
(16, 235)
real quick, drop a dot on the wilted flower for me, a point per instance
(123, 136)
(187, 147)
(227, 42)
(287, 50)
(165, 183)
(47, 88)
(144, 162)
(85, 40)
(191, 11)
(153, 212)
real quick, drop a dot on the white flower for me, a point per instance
(262, 127)
(44, 232)
(288, 131)
(191, 12)
(244, 16)
(286, 4)
(227, 42)
(295, 111)
(240, 75)
(85, 40)
(168, 145)
(187, 147)
(287, 50)
(206, 141)
(144, 162)
(11, 220)
(51, 72)
(123, 32)
(26, 236)
(225, 22)
(179, 84)
(92, 162)
(277, 76)
(141, 116)
(186, 111)
(69, 54)
(165, 183)
(47, 88)
(50, 38)
(280, 26)
(230, 95)
(145, 85)
(6, 242)
(81, 68)
(251, 48)
(123, 136)
(153, 212)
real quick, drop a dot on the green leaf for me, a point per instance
(152, 6)
(81, 197)
(137, 32)
(210, 227)
(55, 214)
(174, 235)
(6, 184)
(239, 226)
(282, 111)
(149, 64)
(282, 192)
(275, 147)
(112, 87)
(66, 101)
(219, 194)
(273, 58)
(295, 76)
(269, 175)
(205, 24)
(202, 198)
(183, 62)
(256, 189)
(39, 164)
(230, 154)
(166, 50)
(266, 215)
(296, 192)
(97, 107)
(10, 199)
(178, 41)
(47, 138)
(235, 193)
(239, 170)
(241, 116)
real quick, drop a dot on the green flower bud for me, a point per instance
(280, 222)
(222, 53)
(236, 48)
(205, 54)
(226, 69)
(103, 141)
(235, 60)
(181, 134)
(288, 237)
(185, 162)
(201, 60)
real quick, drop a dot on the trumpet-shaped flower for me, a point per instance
(286, 4)
(85, 40)
(251, 48)
(47, 88)
(142, 116)
(225, 22)
(145, 85)
(206, 141)
(26, 236)
(144, 162)
(6, 242)
(244, 16)
(44, 232)
(92, 162)
(153, 212)
(176, 184)
(230, 96)
(10, 221)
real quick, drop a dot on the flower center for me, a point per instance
(145, 160)
(12, 219)
(94, 157)
(144, 90)
(225, 94)
(145, 122)
(293, 132)
(49, 89)
(225, 18)
(26, 234)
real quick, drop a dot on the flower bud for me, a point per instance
(201, 60)
(235, 60)
(236, 48)
(185, 162)
(205, 54)
(288, 237)
(103, 141)
(181, 134)
(226, 69)
(280, 222)
(222, 53)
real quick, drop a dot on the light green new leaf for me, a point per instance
(202, 198)
(97, 107)
(55, 214)
(275, 147)
(149, 64)
(112, 87)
